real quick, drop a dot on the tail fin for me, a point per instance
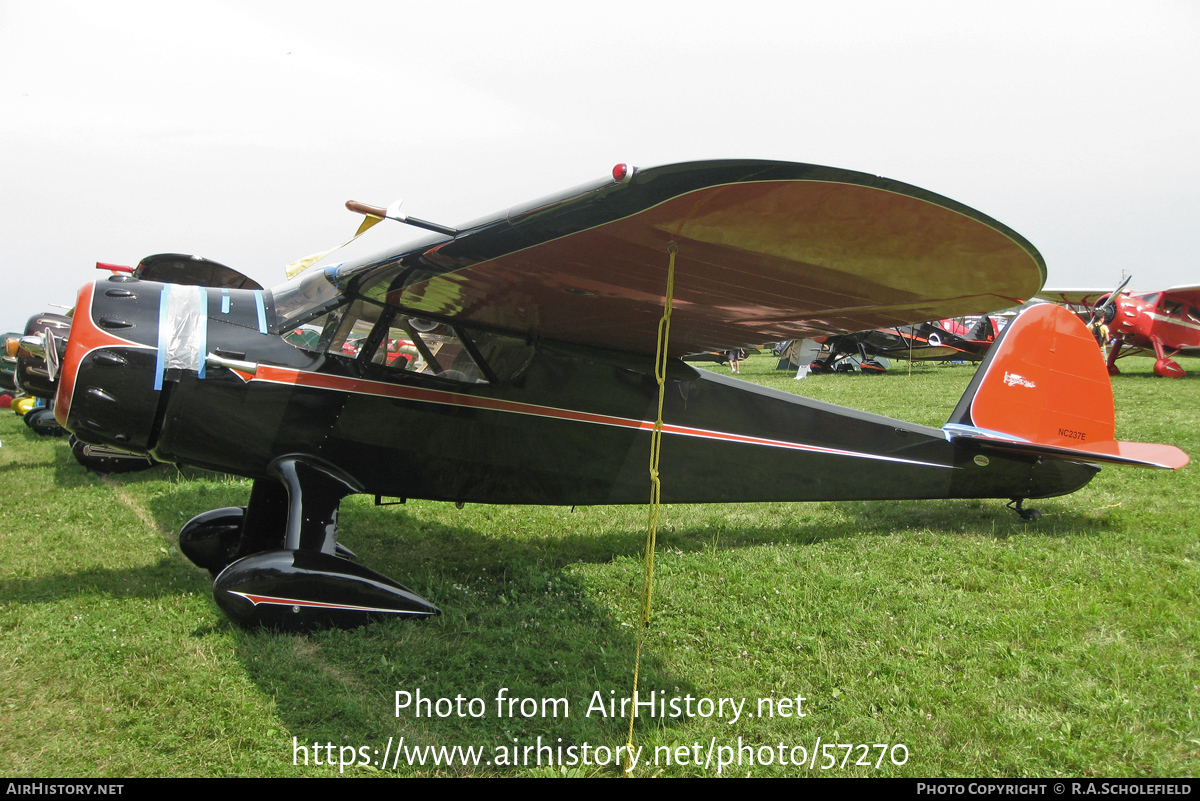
(1044, 390)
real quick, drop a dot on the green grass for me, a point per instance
(986, 645)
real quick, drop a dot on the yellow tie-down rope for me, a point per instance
(660, 375)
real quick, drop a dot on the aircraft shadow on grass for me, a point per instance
(516, 615)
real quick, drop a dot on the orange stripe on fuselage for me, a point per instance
(84, 338)
(359, 386)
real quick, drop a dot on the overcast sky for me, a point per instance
(237, 130)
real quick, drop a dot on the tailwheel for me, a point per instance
(1017, 505)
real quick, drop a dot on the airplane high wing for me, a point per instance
(1075, 297)
(766, 251)
(513, 361)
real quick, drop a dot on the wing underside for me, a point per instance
(1074, 297)
(765, 251)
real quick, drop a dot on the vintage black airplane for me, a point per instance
(513, 361)
(939, 340)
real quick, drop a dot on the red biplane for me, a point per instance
(544, 356)
(1166, 323)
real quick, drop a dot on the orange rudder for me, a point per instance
(1044, 389)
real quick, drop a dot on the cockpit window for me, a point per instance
(506, 356)
(438, 349)
(349, 329)
(306, 296)
(311, 314)
(306, 337)
(374, 334)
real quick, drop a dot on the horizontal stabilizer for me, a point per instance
(1133, 454)
(1044, 390)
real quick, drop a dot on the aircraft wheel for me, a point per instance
(42, 422)
(107, 460)
(307, 590)
(6, 399)
(1168, 368)
(870, 366)
(1018, 506)
(210, 540)
(23, 406)
(820, 366)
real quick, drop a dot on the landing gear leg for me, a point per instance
(1114, 351)
(1164, 365)
(287, 570)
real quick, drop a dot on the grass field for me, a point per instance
(984, 645)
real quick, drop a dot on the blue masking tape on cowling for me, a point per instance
(202, 350)
(262, 311)
(161, 359)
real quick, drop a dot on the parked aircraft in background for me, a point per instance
(965, 339)
(1165, 323)
(8, 371)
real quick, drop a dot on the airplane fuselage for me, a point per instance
(555, 424)
(512, 361)
(1159, 323)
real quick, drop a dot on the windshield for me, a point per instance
(311, 314)
(306, 296)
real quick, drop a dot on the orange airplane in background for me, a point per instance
(1165, 322)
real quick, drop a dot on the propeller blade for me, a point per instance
(1101, 309)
